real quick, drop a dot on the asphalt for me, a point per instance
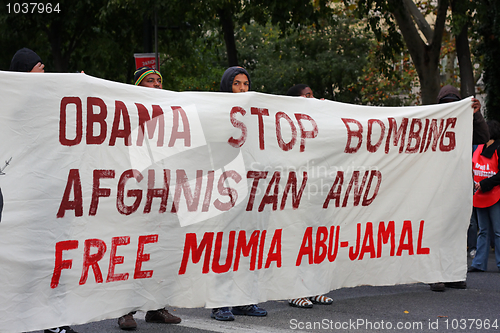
(401, 308)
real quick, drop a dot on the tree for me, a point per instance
(298, 42)
(330, 59)
(489, 28)
(229, 15)
(86, 35)
(389, 83)
(461, 13)
(389, 16)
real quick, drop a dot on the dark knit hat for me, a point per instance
(448, 94)
(24, 60)
(142, 72)
(226, 83)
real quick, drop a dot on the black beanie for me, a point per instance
(24, 60)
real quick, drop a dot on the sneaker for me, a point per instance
(127, 322)
(456, 285)
(439, 286)
(249, 310)
(223, 314)
(62, 329)
(472, 253)
(161, 316)
(474, 269)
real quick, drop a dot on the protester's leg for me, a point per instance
(480, 261)
(492, 236)
(472, 234)
(495, 230)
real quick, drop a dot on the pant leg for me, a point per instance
(480, 261)
(495, 231)
(472, 231)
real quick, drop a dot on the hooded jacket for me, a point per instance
(448, 93)
(24, 60)
(480, 132)
(226, 83)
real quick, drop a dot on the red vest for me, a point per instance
(485, 168)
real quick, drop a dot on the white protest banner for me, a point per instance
(119, 198)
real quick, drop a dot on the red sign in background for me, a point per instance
(145, 59)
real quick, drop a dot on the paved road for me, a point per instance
(402, 308)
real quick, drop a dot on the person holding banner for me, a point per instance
(148, 77)
(300, 90)
(236, 80)
(303, 90)
(26, 60)
(480, 135)
(151, 78)
(487, 197)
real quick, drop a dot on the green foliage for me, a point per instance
(329, 59)
(281, 43)
(200, 68)
(381, 22)
(489, 49)
(394, 87)
(81, 37)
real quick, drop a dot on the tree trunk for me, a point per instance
(53, 34)
(226, 20)
(425, 57)
(430, 82)
(467, 82)
(147, 35)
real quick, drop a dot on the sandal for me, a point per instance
(321, 299)
(300, 303)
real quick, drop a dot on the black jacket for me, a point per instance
(488, 183)
(480, 132)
